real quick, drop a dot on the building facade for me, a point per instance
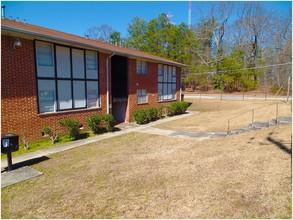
(47, 75)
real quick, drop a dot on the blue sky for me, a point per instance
(76, 17)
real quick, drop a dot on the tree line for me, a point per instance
(234, 47)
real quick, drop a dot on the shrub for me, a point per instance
(140, 116)
(72, 127)
(163, 111)
(108, 122)
(52, 135)
(101, 123)
(177, 108)
(184, 106)
(160, 112)
(152, 114)
(143, 116)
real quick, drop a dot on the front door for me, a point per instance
(119, 84)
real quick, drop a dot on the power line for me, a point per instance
(259, 67)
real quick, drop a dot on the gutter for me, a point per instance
(107, 82)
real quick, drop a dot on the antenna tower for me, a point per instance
(169, 16)
(189, 14)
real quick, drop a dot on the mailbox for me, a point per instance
(9, 143)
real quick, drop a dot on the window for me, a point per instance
(91, 65)
(45, 60)
(141, 67)
(47, 95)
(78, 63)
(79, 94)
(166, 82)
(141, 96)
(72, 84)
(63, 62)
(92, 94)
(64, 94)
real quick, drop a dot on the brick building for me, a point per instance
(48, 75)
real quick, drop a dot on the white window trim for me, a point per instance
(138, 93)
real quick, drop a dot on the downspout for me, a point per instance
(180, 91)
(107, 82)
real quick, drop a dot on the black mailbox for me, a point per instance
(9, 143)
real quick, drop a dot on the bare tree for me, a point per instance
(257, 23)
(102, 32)
(280, 49)
(215, 21)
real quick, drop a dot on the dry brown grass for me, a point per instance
(148, 176)
(214, 114)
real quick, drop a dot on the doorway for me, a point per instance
(119, 82)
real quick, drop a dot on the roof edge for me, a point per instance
(89, 45)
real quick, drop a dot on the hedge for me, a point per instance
(178, 108)
(72, 127)
(101, 123)
(146, 115)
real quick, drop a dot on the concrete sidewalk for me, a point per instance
(21, 164)
(124, 129)
(148, 128)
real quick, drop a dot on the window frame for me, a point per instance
(139, 96)
(141, 67)
(73, 79)
(167, 81)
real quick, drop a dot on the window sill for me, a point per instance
(170, 100)
(69, 111)
(143, 103)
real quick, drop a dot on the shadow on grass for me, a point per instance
(280, 145)
(189, 104)
(83, 136)
(27, 163)
(115, 129)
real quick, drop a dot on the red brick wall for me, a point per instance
(19, 108)
(148, 82)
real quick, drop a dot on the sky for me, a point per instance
(76, 17)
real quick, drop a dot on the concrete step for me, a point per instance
(219, 135)
(259, 124)
(273, 122)
(285, 119)
(251, 128)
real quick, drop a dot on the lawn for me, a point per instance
(139, 175)
(213, 115)
(45, 143)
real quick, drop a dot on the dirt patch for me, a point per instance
(148, 176)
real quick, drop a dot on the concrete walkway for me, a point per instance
(21, 164)
(148, 128)
(124, 129)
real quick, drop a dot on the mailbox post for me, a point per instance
(9, 144)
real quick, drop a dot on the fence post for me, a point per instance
(288, 89)
(221, 96)
(277, 112)
(265, 96)
(243, 97)
(228, 126)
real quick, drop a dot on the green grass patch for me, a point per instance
(46, 143)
